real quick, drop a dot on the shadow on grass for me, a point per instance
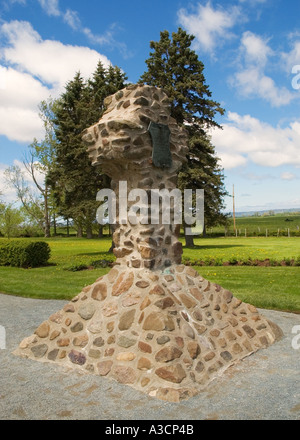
(214, 246)
(93, 254)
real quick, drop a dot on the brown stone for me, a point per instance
(54, 334)
(172, 373)
(104, 367)
(196, 293)
(147, 252)
(191, 272)
(165, 303)
(143, 346)
(27, 341)
(124, 374)
(144, 364)
(154, 321)
(43, 330)
(56, 317)
(187, 301)
(252, 308)
(123, 283)
(142, 284)
(168, 354)
(193, 349)
(122, 252)
(236, 348)
(99, 292)
(109, 352)
(69, 308)
(126, 356)
(209, 356)
(112, 275)
(126, 320)
(63, 342)
(157, 290)
(145, 303)
(227, 296)
(110, 309)
(77, 327)
(131, 299)
(249, 331)
(81, 341)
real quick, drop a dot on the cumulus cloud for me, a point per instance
(210, 26)
(29, 74)
(251, 80)
(246, 139)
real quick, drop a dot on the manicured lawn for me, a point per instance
(266, 287)
(276, 288)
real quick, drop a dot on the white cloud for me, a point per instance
(251, 80)
(30, 74)
(26, 49)
(288, 176)
(210, 26)
(245, 139)
(51, 7)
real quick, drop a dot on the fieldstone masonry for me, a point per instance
(151, 322)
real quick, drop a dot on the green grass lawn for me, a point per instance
(266, 287)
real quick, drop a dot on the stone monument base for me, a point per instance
(166, 333)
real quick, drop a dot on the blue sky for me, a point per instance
(250, 50)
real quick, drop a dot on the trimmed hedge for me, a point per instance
(24, 253)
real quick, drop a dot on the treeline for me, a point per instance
(65, 183)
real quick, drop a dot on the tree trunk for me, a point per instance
(54, 225)
(89, 231)
(79, 231)
(46, 215)
(68, 228)
(112, 230)
(189, 241)
(100, 231)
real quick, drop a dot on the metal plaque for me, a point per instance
(161, 154)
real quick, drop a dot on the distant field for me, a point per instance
(260, 225)
(266, 287)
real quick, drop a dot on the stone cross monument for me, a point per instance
(151, 323)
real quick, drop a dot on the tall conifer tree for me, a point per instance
(175, 67)
(74, 180)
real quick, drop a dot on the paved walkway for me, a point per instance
(265, 386)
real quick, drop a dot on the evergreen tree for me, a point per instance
(74, 180)
(175, 67)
